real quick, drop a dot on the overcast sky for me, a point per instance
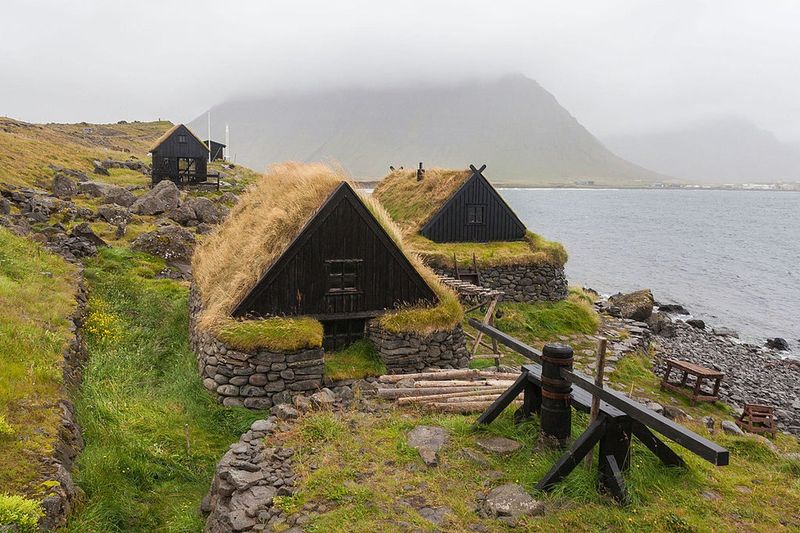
(619, 66)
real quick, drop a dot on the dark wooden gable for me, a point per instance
(180, 142)
(342, 264)
(474, 213)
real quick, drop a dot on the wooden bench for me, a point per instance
(695, 392)
(757, 419)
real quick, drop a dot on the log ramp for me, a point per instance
(464, 391)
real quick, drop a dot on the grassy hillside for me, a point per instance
(36, 299)
(27, 150)
(153, 434)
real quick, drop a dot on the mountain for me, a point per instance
(725, 150)
(512, 124)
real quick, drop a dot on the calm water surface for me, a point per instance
(731, 257)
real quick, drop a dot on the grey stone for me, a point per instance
(63, 186)
(262, 425)
(637, 305)
(510, 500)
(323, 399)
(172, 243)
(427, 440)
(228, 390)
(161, 198)
(731, 428)
(119, 196)
(498, 444)
(285, 412)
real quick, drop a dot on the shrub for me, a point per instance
(20, 512)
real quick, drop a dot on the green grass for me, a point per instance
(362, 467)
(424, 320)
(141, 397)
(27, 150)
(36, 299)
(547, 320)
(275, 333)
(359, 360)
(533, 250)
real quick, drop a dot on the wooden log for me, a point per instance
(440, 374)
(416, 399)
(392, 394)
(464, 383)
(437, 375)
(477, 398)
(463, 408)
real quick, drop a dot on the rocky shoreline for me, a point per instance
(753, 374)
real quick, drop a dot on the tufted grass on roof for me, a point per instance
(532, 250)
(268, 216)
(412, 203)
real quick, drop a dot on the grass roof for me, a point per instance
(268, 216)
(172, 130)
(532, 250)
(412, 203)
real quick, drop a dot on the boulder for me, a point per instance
(696, 323)
(84, 231)
(661, 324)
(205, 210)
(169, 242)
(724, 332)
(675, 309)
(120, 196)
(63, 186)
(778, 344)
(637, 305)
(511, 501)
(114, 214)
(427, 440)
(5, 206)
(164, 197)
(731, 428)
(184, 214)
(284, 411)
(93, 188)
(100, 169)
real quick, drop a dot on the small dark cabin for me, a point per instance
(342, 269)
(474, 213)
(217, 150)
(179, 156)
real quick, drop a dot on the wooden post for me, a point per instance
(556, 410)
(600, 362)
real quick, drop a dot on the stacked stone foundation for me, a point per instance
(262, 379)
(405, 353)
(523, 283)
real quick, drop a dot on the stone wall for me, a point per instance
(258, 379)
(62, 496)
(524, 283)
(407, 352)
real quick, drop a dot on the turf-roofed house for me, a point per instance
(302, 267)
(457, 222)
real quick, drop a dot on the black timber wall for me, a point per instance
(449, 224)
(297, 284)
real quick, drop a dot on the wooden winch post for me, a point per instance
(488, 319)
(618, 417)
(556, 411)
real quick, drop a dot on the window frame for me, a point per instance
(343, 276)
(182, 139)
(472, 211)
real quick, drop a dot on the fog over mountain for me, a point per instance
(724, 150)
(512, 124)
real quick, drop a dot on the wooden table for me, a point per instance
(695, 392)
